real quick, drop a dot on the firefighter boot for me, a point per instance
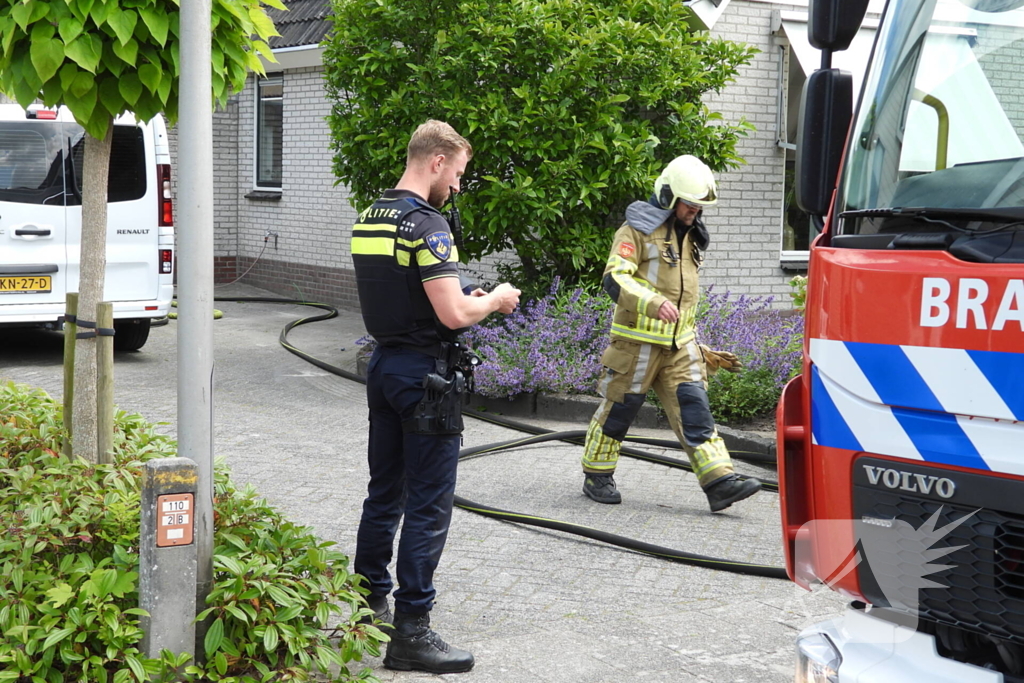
(601, 487)
(415, 647)
(725, 491)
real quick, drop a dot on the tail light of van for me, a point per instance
(166, 261)
(163, 174)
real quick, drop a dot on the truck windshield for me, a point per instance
(941, 118)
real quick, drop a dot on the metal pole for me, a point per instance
(195, 280)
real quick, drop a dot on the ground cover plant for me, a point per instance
(553, 344)
(283, 603)
(767, 340)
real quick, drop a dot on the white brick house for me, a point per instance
(282, 181)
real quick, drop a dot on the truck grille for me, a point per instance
(983, 588)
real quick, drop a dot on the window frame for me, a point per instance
(272, 78)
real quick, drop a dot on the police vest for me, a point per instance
(395, 307)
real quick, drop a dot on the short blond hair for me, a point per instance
(436, 137)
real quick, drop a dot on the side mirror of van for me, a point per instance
(832, 24)
(821, 137)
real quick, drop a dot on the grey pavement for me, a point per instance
(532, 605)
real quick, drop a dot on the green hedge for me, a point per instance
(283, 604)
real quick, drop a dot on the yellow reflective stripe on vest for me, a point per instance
(373, 246)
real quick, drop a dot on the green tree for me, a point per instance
(572, 108)
(102, 58)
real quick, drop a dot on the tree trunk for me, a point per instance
(93, 262)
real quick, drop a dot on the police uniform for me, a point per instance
(398, 244)
(654, 259)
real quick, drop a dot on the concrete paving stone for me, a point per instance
(534, 605)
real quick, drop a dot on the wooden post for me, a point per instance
(70, 330)
(104, 384)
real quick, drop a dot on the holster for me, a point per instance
(446, 390)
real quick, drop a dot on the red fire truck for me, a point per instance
(901, 444)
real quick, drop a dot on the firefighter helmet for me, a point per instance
(686, 178)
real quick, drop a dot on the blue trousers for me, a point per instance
(411, 475)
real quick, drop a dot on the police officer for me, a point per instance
(651, 275)
(407, 274)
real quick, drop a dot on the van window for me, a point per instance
(127, 180)
(31, 156)
(32, 163)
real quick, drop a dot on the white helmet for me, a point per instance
(686, 178)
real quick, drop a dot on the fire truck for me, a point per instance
(901, 443)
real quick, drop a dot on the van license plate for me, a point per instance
(22, 284)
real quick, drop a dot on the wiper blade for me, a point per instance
(1008, 214)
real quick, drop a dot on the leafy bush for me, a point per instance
(573, 108)
(552, 344)
(68, 578)
(766, 339)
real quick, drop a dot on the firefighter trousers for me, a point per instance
(678, 378)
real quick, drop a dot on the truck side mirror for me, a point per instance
(821, 137)
(832, 24)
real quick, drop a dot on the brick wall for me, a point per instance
(312, 217)
(746, 225)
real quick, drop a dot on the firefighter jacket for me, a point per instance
(398, 244)
(648, 266)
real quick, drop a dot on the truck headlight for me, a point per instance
(818, 660)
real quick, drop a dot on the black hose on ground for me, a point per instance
(540, 435)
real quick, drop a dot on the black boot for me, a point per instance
(601, 487)
(725, 491)
(415, 647)
(381, 611)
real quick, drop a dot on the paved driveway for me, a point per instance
(532, 605)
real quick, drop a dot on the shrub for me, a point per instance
(766, 339)
(68, 579)
(572, 108)
(552, 344)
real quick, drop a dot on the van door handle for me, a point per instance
(31, 231)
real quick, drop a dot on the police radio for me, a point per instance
(455, 221)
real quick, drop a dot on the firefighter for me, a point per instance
(407, 275)
(651, 275)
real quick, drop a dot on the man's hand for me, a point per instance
(507, 296)
(720, 360)
(668, 312)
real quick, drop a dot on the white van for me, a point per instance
(41, 154)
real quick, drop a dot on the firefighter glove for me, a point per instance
(720, 360)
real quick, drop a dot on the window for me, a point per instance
(33, 169)
(127, 171)
(798, 59)
(269, 129)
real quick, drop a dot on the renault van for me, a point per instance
(41, 155)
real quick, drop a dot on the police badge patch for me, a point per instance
(439, 244)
